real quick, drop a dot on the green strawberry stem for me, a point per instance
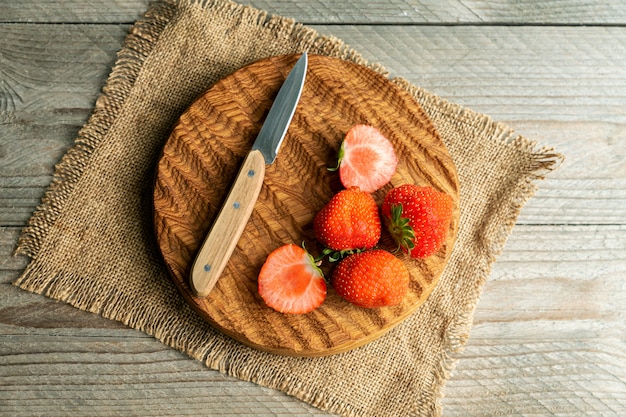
(337, 255)
(339, 158)
(400, 229)
(315, 262)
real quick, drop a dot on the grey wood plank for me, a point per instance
(546, 272)
(549, 332)
(73, 11)
(122, 373)
(567, 273)
(550, 324)
(50, 77)
(539, 378)
(56, 360)
(608, 12)
(547, 340)
(560, 85)
(512, 73)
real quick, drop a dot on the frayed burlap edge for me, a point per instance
(141, 39)
(542, 161)
(136, 48)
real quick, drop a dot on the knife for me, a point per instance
(231, 220)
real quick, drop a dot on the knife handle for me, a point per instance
(221, 240)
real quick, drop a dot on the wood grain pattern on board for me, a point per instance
(549, 330)
(204, 152)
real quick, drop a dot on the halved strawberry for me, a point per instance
(366, 159)
(291, 282)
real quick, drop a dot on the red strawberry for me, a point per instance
(291, 282)
(370, 279)
(366, 159)
(418, 218)
(348, 221)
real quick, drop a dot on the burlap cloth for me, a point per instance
(92, 244)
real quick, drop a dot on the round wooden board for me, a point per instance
(203, 154)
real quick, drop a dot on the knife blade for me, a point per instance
(233, 216)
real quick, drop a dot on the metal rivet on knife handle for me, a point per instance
(221, 240)
(228, 226)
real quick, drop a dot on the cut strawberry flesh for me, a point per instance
(368, 159)
(290, 282)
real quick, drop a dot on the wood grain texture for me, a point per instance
(526, 77)
(222, 238)
(559, 353)
(94, 11)
(55, 74)
(345, 12)
(204, 152)
(549, 334)
(122, 373)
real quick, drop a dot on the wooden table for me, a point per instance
(550, 330)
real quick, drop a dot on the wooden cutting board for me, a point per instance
(201, 158)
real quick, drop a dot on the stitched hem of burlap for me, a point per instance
(137, 47)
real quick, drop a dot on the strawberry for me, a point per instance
(374, 278)
(366, 159)
(418, 218)
(291, 282)
(348, 221)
